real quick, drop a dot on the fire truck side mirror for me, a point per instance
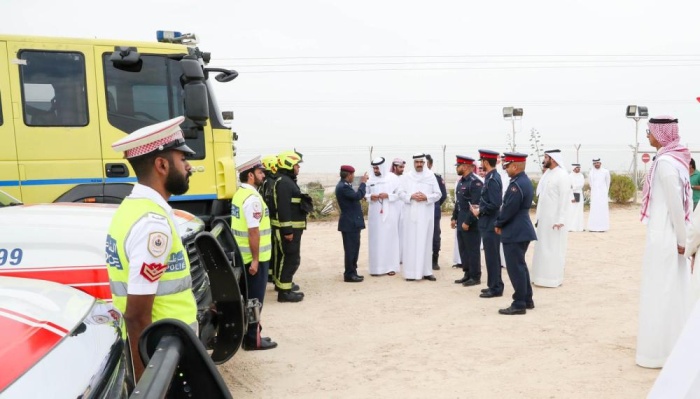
(196, 99)
(126, 59)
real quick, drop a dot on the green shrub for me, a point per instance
(621, 188)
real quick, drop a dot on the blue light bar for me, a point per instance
(168, 36)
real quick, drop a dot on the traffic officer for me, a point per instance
(351, 220)
(467, 194)
(148, 267)
(489, 208)
(438, 214)
(288, 223)
(250, 222)
(269, 162)
(516, 231)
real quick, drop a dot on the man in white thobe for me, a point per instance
(383, 219)
(576, 209)
(680, 377)
(667, 202)
(599, 215)
(397, 168)
(554, 192)
(419, 190)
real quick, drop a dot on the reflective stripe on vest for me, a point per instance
(240, 227)
(174, 297)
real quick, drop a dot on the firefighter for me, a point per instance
(250, 221)
(288, 224)
(148, 267)
(269, 162)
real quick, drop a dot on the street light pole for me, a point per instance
(512, 114)
(636, 112)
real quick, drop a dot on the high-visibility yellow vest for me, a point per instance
(174, 298)
(240, 227)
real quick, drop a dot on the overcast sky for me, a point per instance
(334, 78)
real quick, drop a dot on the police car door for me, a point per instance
(57, 135)
(9, 176)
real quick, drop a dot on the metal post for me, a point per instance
(578, 147)
(513, 137)
(636, 151)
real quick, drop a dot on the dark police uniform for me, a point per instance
(489, 208)
(438, 215)
(350, 223)
(516, 233)
(467, 192)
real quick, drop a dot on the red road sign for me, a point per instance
(646, 158)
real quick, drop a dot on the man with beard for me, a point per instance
(288, 223)
(599, 215)
(383, 219)
(419, 191)
(351, 221)
(554, 191)
(149, 272)
(667, 202)
(438, 214)
(467, 195)
(515, 228)
(250, 222)
(576, 210)
(397, 168)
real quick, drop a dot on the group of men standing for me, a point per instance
(401, 213)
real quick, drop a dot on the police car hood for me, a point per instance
(65, 242)
(48, 347)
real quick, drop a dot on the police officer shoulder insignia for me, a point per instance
(514, 188)
(478, 183)
(257, 210)
(157, 243)
(156, 216)
(153, 271)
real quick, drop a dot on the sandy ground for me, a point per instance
(389, 338)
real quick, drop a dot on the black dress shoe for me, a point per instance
(254, 346)
(431, 278)
(530, 305)
(489, 294)
(471, 282)
(353, 279)
(290, 296)
(436, 267)
(462, 280)
(457, 266)
(485, 290)
(410, 279)
(511, 311)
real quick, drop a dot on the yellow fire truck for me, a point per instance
(63, 102)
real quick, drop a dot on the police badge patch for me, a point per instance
(257, 211)
(157, 242)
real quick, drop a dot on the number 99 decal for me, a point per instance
(11, 256)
